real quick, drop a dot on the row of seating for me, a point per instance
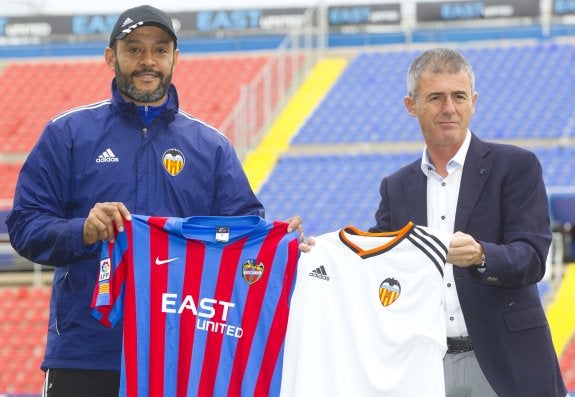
(8, 177)
(523, 92)
(23, 325)
(342, 182)
(21, 354)
(329, 191)
(567, 365)
(33, 93)
(336, 190)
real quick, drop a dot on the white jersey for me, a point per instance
(366, 316)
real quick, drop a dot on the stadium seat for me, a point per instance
(332, 190)
(23, 320)
(8, 177)
(525, 93)
(567, 364)
(366, 104)
(209, 88)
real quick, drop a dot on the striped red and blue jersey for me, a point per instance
(204, 301)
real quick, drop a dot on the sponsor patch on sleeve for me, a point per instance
(105, 267)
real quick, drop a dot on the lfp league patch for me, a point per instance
(105, 268)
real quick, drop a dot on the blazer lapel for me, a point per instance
(415, 184)
(475, 174)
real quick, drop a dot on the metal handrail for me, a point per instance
(261, 99)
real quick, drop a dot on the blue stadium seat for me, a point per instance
(524, 92)
(338, 190)
(329, 191)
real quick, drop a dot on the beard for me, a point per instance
(126, 86)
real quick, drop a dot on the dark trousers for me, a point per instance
(79, 382)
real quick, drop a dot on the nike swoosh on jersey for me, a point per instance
(164, 261)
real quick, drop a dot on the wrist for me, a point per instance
(481, 266)
(483, 261)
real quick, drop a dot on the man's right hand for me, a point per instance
(99, 225)
(464, 250)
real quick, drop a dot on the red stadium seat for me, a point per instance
(209, 88)
(23, 322)
(567, 364)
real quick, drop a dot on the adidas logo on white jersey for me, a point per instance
(107, 157)
(320, 273)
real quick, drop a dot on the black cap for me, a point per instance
(140, 16)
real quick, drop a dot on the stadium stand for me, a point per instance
(24, 318)
(360, 132)
(259, 162)
(345, 135)
(34, 92)
(560, 315)
(568, 366)
(211, 86)
(8, 177)
(43, 89)
(370, 93)
(365, 107)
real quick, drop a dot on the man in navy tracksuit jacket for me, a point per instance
(95, 164)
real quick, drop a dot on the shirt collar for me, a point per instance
(456, 161)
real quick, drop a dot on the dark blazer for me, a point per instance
(503, 205)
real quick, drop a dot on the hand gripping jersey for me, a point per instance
(366, 316)
(204, 302)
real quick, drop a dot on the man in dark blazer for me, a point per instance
(498, 210)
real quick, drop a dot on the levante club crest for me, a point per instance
(389, 291)
(252, 272)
